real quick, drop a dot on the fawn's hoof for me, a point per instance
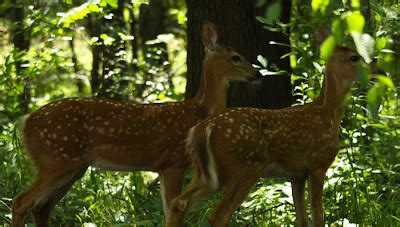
(179, 205)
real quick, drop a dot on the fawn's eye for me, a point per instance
(354, 58)
(236, 58)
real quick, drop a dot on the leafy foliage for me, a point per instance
(361, 184)
(50, 72)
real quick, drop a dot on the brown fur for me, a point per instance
(298, 142)
(65, 137)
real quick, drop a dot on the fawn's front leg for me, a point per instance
(298, 185)
(171, 181)
(316, 183)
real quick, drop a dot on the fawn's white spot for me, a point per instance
(100, 130)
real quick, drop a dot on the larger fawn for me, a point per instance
(65, 137)
(236, 147)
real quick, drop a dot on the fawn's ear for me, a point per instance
(209, 36)
(321, 34)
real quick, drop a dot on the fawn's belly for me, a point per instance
(275, 170)
(137, 157)
(111, 165)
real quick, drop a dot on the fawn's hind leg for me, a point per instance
(42, 214)
(40, 197)
(195, 192)
(233, 196)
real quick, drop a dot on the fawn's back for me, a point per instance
(104, 132)
(282, 143)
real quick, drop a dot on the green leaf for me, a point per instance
(165, 37)
(104, 36)
(381, 43)
(113, 3)
(339, 29)
(386, 61)
(93, 40)
(263, 61)
(320, 4)
(103, 3)
(363, 73)
(260, 3)
(77, 13)
(94, 8)
(355, 4)
(364, 45)
(273, 12)
(355, 21)
(107, 40)
(161, 96)
(385, 81)
(293, 61)
(376, 93)
(374, 100)
(327, 47)
(262, 19)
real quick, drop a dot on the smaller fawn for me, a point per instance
(65, 137)
(236, 147)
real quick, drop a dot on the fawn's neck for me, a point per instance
(332, 95)
(212, 92)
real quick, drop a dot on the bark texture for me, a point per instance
(21, 44)
(237, 27)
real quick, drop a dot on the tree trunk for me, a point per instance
(237, 27)
(366, 11)
(114, 65)
(134, 42)
(94, 30)
(152, 22)
(21, 45)
(74, 59)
